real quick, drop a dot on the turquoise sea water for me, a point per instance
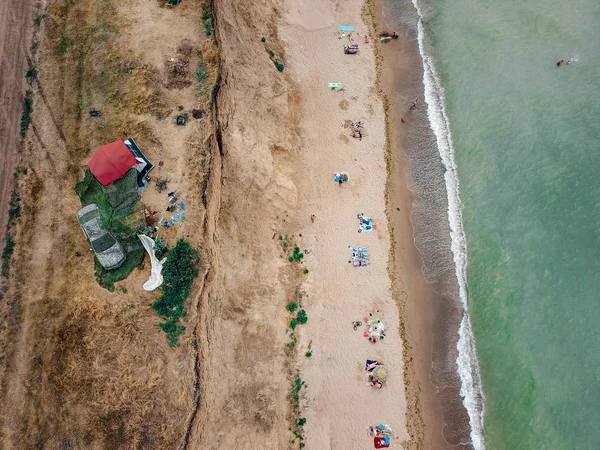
(526, 141)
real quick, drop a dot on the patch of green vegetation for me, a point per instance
(26, 115)
(284, 242)
(14, 213)
(200, 74)
(297, 256)
(179, 272)
(279, 65)
(308, 354)
(293, 324)
(272, 53)
(122, 220)
(298, 422)
(31, 74)
(305, 271)
(302, 318)
(160, 248)
(264, 39)
(7, 252)
(38, 20)
(292, 307)
(207, 18)
(207, 28)
(63, 44)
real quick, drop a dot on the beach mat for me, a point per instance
(379, 442)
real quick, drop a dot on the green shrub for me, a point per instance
(301, 422)
(279, 65)
(206, 14)
(272, 53)
(14, 213)
(160, 248)
(296, 256)
(26, 115)
(264, 39)
(38, 20)
(293, 324)
(302, 317)
(9, 248)
(207, 28)
(179, 272)
(291, 307)
(31, 74)
(308, 354)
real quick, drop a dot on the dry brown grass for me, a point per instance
(88, 369)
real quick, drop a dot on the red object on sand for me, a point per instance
(379, 442)
(111, 162)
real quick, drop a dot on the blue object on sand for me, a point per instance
(346, 28)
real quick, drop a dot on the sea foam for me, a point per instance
(468, 368)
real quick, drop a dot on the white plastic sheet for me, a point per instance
(156, 277)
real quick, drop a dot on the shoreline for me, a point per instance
(428, 334)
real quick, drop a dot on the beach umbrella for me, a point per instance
(380, 372)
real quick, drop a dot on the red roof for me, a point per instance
(111, 162)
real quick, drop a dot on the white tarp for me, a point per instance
(156, 277)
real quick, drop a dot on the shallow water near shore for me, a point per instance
(524, 135)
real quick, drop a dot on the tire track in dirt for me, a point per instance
(16, 22)
(45, 100)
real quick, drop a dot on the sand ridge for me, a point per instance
(339, 403)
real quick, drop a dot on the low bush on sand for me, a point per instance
(179, 272)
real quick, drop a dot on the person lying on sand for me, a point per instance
(374, 382)
(371, 364)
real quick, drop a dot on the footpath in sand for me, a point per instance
(340, 403)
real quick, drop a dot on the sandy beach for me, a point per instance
(341, 404)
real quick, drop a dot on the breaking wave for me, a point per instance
(468, 367)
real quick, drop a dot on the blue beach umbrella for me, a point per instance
(380, 372)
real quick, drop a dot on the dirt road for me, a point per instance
(16, 23)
